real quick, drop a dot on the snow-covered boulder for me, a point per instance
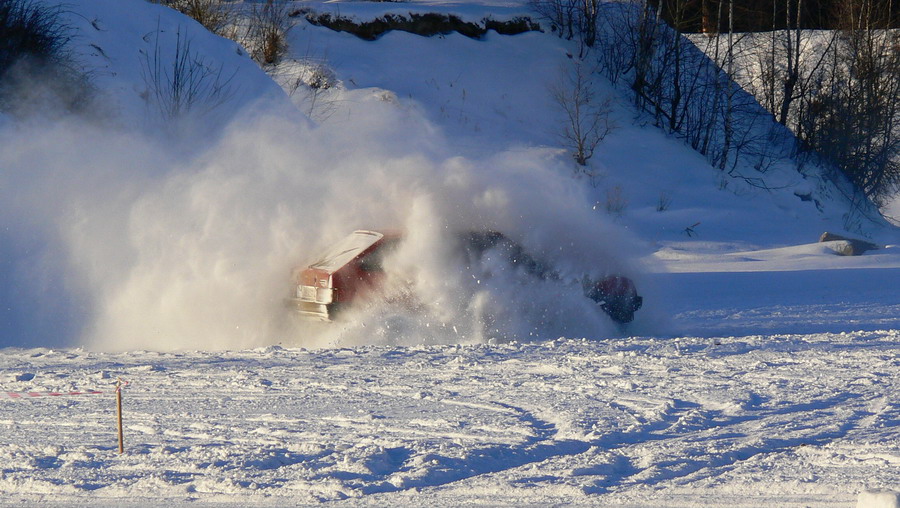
(846, 246)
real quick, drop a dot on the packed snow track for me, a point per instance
(779, 420)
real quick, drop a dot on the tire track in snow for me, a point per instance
(693, 453)
(603, 420)
(494, 459)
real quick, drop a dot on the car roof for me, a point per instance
(346, 250)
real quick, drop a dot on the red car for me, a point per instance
(352, 270)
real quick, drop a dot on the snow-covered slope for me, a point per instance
(494, 93)
(131, 47)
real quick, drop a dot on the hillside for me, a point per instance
(493, 94)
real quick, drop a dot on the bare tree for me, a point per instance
(855, 121)
(587, 120)
(571, 19)
(729, 94)
(560, 13)
(790, 66)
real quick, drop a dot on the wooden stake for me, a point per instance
(119, 416)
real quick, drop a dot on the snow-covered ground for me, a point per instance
(760, 371)
(760, 420)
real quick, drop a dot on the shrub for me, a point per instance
(615, 201)
(33, 42)
(215, 15)
(311, 84)
(268, 26)
(29, 30)
(665, 201)
(261, 28)
(187, 83)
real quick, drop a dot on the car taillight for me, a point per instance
(306, 293)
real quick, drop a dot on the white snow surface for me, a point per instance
(761, 420)
(760, 372)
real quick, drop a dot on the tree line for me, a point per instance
(837, 90)
(701, 16)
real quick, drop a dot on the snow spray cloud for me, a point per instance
(114, 244)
